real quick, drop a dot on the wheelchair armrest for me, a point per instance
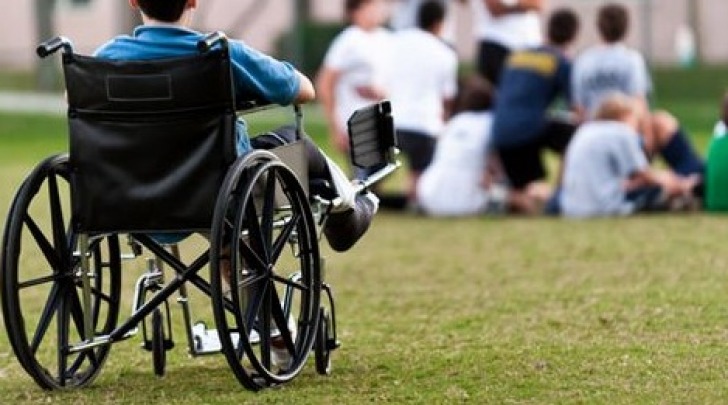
(251, 105)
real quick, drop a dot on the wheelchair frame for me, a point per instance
(262, 210)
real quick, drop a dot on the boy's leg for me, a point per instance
(351, 217)
(525, 172)
(675, 146)
(419, 147)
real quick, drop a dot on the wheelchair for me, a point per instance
(152, 159)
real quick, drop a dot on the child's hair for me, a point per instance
(475, 94)
(163, 10)
(429, 14)
(351, 6)
(615, 107)
(613, 21)
(563, 26)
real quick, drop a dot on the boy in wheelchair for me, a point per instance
(165, 34)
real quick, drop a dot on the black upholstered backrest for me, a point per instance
(150, 141)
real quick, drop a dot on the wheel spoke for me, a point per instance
(254, 305)
(290, 283)
(268, 208)
(265, 326)
(76, 312)
(254, 229)
(62, 347)
(284, 237)
(79, 321)
(60, 239)
(45, 246)
(46, 317)
(37, 281)
(279, 317)
(251, 257)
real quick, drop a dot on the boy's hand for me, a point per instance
(371, 92)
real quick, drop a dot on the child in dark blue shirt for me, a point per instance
(531, 80)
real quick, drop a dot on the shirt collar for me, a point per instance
(144, 30)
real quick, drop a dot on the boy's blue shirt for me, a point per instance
(255, 74)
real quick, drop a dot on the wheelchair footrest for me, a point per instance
(208, 341)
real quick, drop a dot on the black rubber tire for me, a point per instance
(41, 298)
(322, 352)
(248, 215)
(159, 352)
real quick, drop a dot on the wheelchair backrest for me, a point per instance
(150, 141)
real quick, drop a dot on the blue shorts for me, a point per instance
(647, 199)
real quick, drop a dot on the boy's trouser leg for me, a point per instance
(681, 156)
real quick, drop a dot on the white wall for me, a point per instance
(91, 25)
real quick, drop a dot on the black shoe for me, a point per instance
(344, 229)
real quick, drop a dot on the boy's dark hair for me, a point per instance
(352, 5)
(613, 21)
(163, 10)
(474, 94)
(562, 26)
(430, 14)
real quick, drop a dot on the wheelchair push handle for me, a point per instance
(52, 45)
(209, 41)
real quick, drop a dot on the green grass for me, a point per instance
(479, 310)
(17, 80)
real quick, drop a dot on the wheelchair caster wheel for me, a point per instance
(159, 351)
(322, 349)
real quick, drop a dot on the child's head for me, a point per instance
(563, 25)
(475, 94)
(618, 107)
(367, 14)
(430, 15)
(613, 22)
(164, 10)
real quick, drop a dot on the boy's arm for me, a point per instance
(501, 7)
(645, 126)
(671, 183)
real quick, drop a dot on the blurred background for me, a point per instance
(669, 32)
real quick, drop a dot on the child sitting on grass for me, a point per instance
(606, 170)
(465, 177)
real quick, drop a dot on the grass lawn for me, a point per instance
(480, 310)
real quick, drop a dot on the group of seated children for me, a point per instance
(490, 159)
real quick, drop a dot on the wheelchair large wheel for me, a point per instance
(42, 305)
(265, 271)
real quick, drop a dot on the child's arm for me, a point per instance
(671, 183)
(326, 84)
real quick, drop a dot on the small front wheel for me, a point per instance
(322, 351)
(159, 352)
